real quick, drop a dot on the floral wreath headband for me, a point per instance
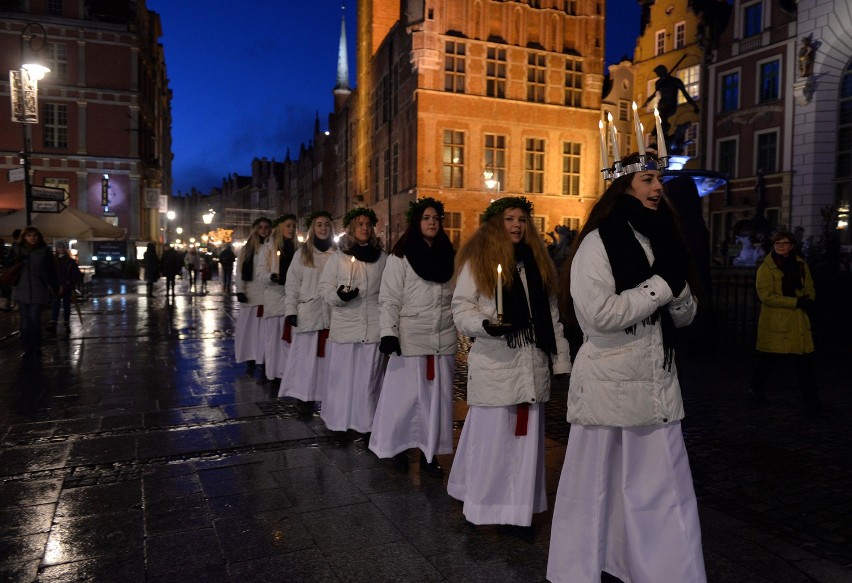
(317, 214)
(421, 205)
(349, 216)
(660, 162)
(282, 218)
(508, 202)
(259, 220)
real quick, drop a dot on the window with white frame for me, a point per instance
(538, 223)
(769, 74)
(570, 169)
(752, 19)
(453, 159)
(454, 66)
(57, 60)
(573, 223)
(680, 35)
(692, 140)
(691, 80)
(730, 98)
(623, 109)
(660, 42)
(61, 183)
(766, 158)
(534, 166)
(55, 125)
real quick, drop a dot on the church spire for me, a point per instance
(342, 57)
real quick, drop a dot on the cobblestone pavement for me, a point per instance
(137, 450)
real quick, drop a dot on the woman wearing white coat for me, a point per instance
(498, 470)
(625, 503)
(252, 264)
(350, 285)
(282, 246)
(304, 377)
(416, 403)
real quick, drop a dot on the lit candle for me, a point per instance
(640, 139)
(604, 157)
(661, 137)
(613, 138)
(351, 268)
(499, 291)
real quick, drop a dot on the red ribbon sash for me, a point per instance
(321, 338)
(260, 311)
(523, 417)
(288, 332)
(430, 367)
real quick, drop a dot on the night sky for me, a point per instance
(249, 77)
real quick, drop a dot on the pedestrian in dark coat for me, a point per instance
(68, 276)
(35, 287)
(151, 263)
(172, 263)
(227, 258)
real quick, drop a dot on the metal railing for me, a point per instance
(735, 307)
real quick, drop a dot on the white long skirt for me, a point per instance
(248, 335)
(500, 476)
(414, 411)
(275, 349)
(304, 375)
(626, 505)
(353, 385)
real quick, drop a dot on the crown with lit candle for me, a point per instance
(645, 162)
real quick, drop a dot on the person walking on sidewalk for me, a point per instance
(786, 291)
(253, 262)
(350, 285)
(192, 260)
(172, 266)
(415, 408)
(282, 246)
(35, 286)
(226, 260)
(68, 277)
(151, 263)
(625, 502)
(304, 377)
(504, 298)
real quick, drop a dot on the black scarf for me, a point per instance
(433, 262)
(792, 277)
(288, 249)
(366, 253)
(247, 270)
(322, 245)
(535, 328)
(628, 261)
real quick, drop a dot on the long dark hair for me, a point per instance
(413, 233)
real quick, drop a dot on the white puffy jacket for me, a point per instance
(618, 378)
(358, 319)
(255, 288)
(274, 301)
(496, 374)
(416, 311)
(302, 292)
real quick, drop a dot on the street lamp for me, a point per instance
(24, 90)
(170, 216)
(491, 181)
(208, 216)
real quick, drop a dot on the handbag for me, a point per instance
(9, 276)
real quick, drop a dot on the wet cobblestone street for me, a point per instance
(139, 451)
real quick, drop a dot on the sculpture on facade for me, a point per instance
(667, 87)
(807, 54)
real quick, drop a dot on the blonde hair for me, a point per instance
(349, 238)
(490, 245)
(308, 248)
(277, 242)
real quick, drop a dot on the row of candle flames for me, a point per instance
(614, 171)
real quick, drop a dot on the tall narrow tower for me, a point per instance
(341, 89)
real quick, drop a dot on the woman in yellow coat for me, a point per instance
(786, 291)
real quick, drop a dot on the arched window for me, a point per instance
(844, 156)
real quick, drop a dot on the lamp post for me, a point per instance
(491, 181)
(170, 216)
(24, 85)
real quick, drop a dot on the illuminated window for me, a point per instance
(534, 166)
(57, 60)
(55, 125)
(680, 35)
(454, 67)
(691, 80)
(453, 159)
(536, 71)
(573, 223)
(573, 82)
(495, 72)
(453, 227)
(570, 169)
(495, 157)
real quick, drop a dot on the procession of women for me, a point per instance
(366, 339)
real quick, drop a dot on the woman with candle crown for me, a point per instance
(308, 316)
(498, 471)
(282, 247)
(253, 259)
(351, 288)
(625, 502)
(416, 320)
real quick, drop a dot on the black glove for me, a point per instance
(274, 277)
(347, 296)
(242, 298)
(495, 329)
(390, 344)
(671, 261)
(805, 303)
(560, 376)
(292, 319)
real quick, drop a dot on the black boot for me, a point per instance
(250, 366)
(51, 329)
(432, 468)
(400, 461)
